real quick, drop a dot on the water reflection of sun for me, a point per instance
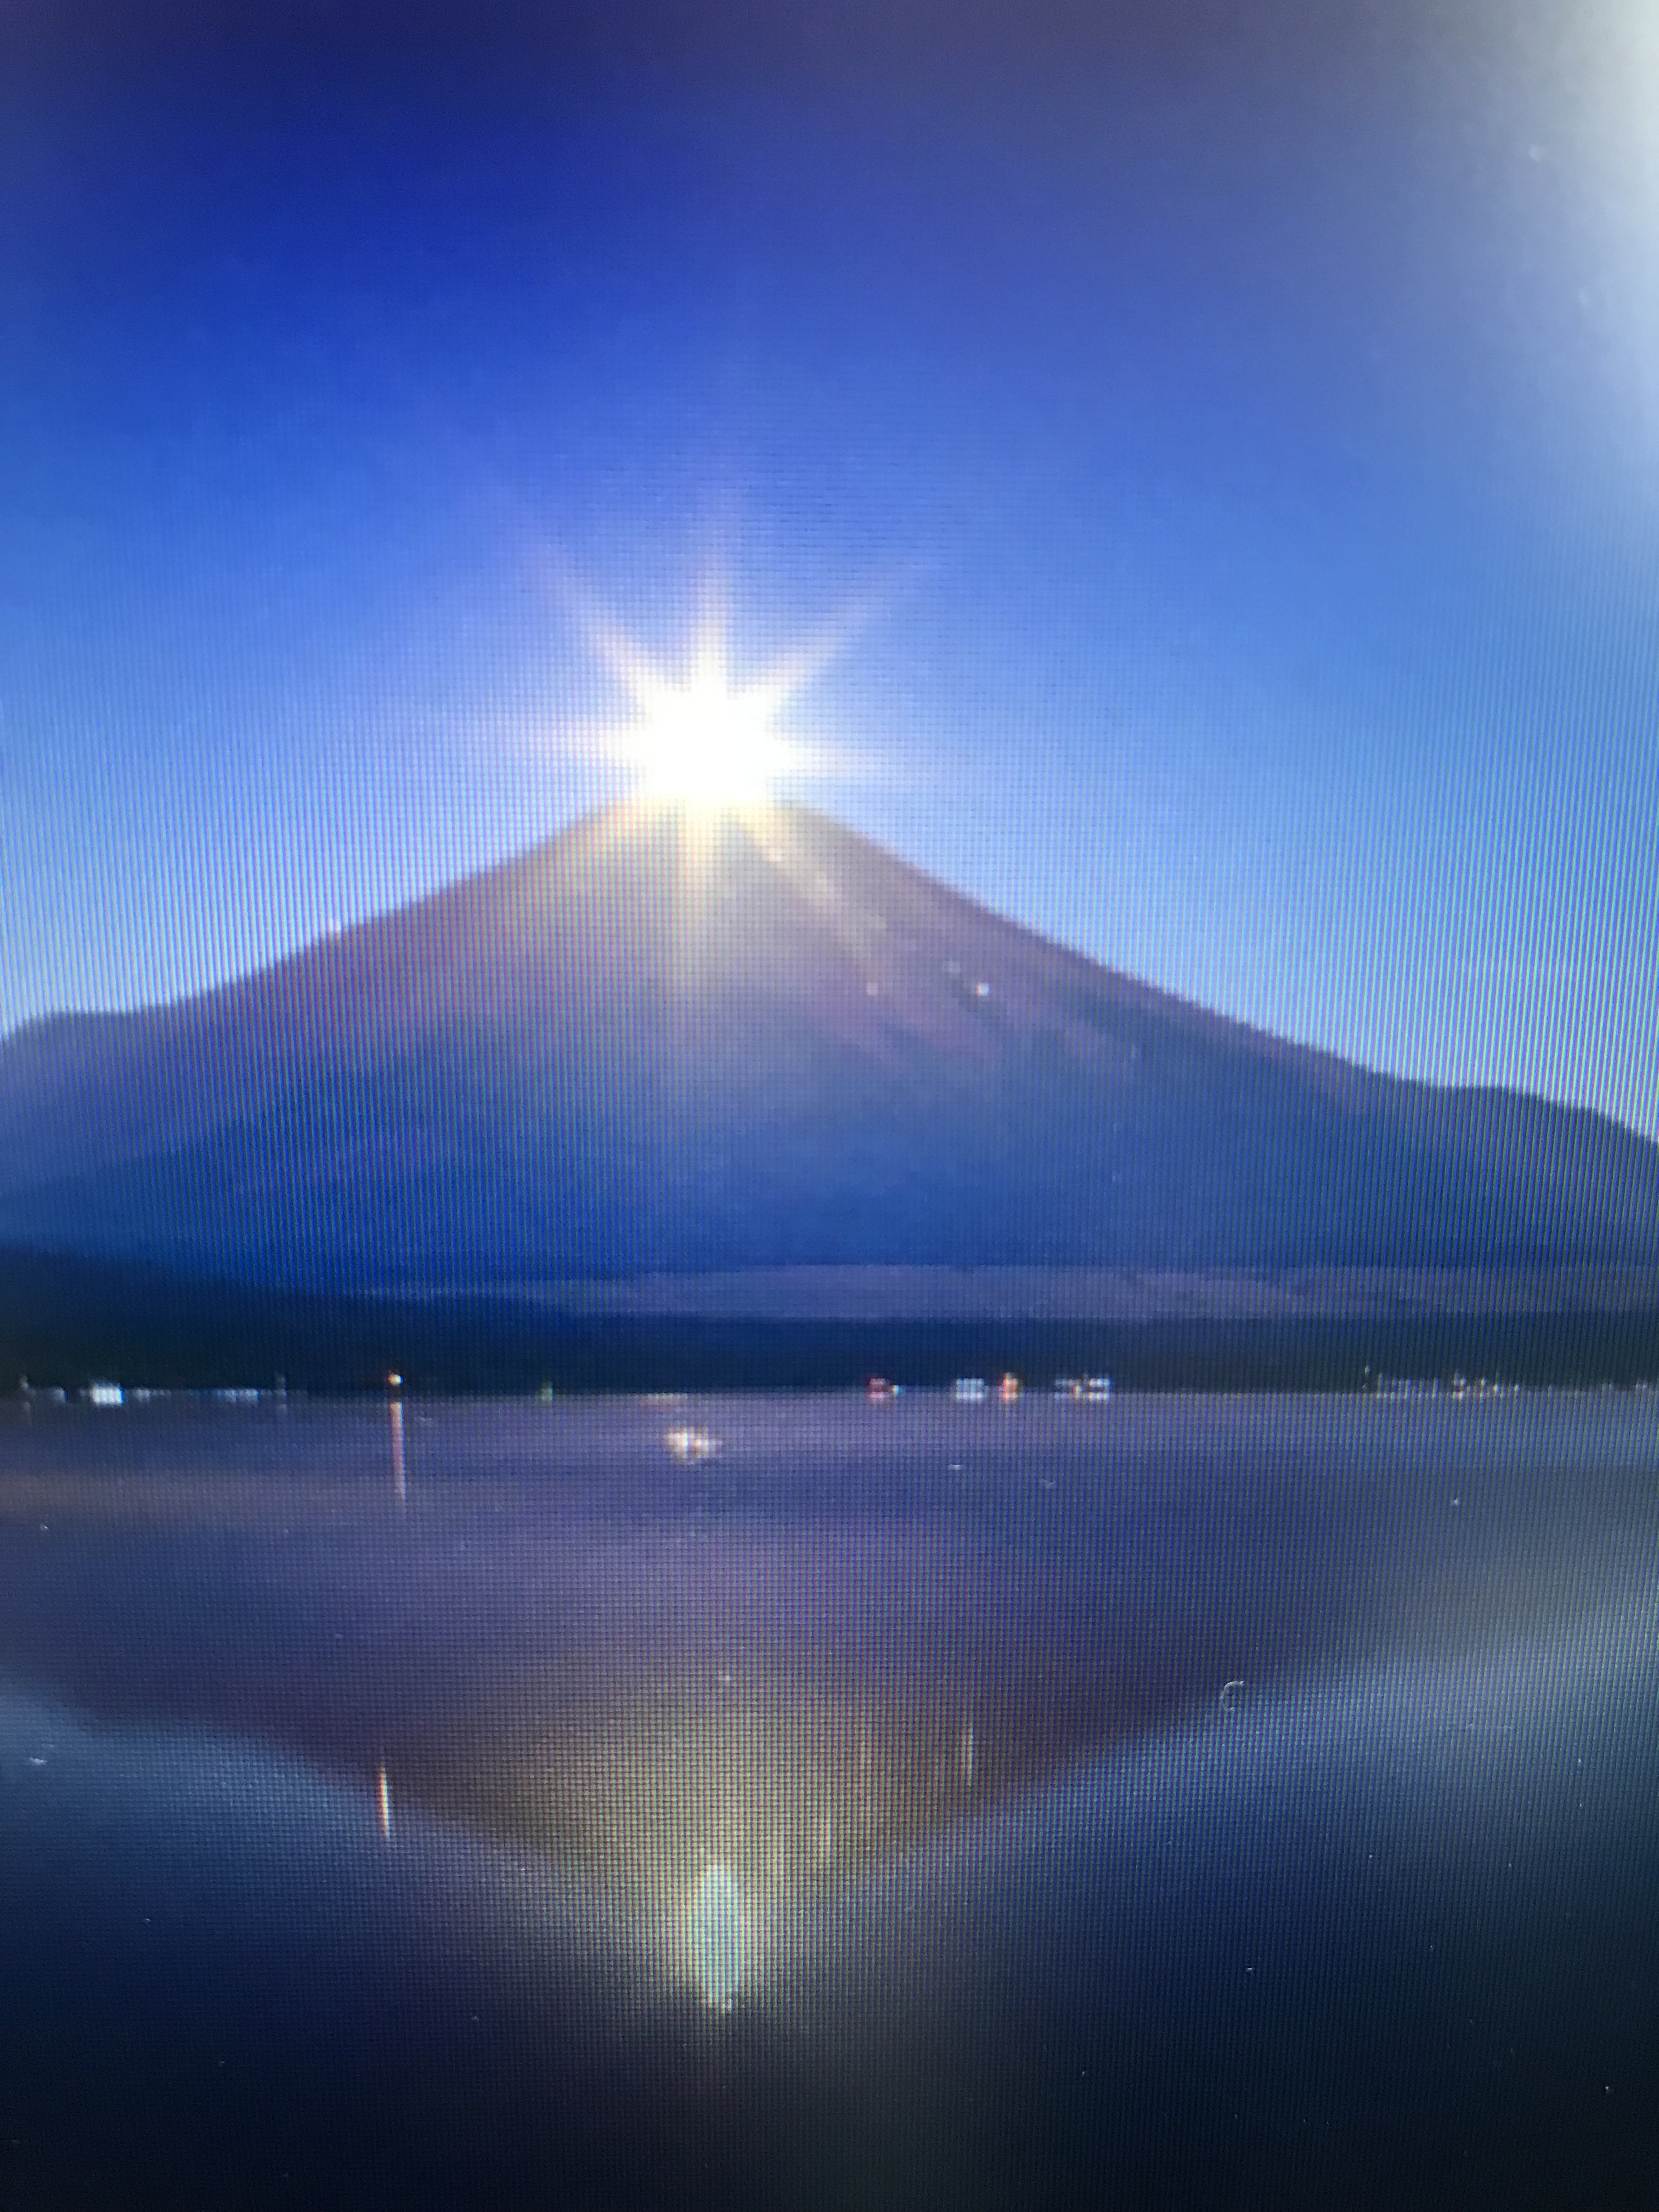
(717, 1935)
(720, 1812)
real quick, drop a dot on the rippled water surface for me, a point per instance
(803, 1802)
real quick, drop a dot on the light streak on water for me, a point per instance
(399, 1462)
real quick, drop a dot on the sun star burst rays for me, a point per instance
(713, 756)
(701, 740)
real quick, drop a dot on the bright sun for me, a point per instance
(702, 743)
(697, 739)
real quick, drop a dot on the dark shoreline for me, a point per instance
(63, 1322)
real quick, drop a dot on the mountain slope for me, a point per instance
(661, 1043)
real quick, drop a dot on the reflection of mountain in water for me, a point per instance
(854, 1629)
(660, 1045)
(634, 1683)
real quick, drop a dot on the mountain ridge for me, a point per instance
(661, 1044)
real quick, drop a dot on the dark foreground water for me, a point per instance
(811, 1803)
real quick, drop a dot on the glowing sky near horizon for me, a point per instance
(1260, 407)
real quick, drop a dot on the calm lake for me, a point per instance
(811, 1803)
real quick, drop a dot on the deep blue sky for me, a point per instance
(1245, 419)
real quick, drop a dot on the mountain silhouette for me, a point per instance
(668, 1043)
